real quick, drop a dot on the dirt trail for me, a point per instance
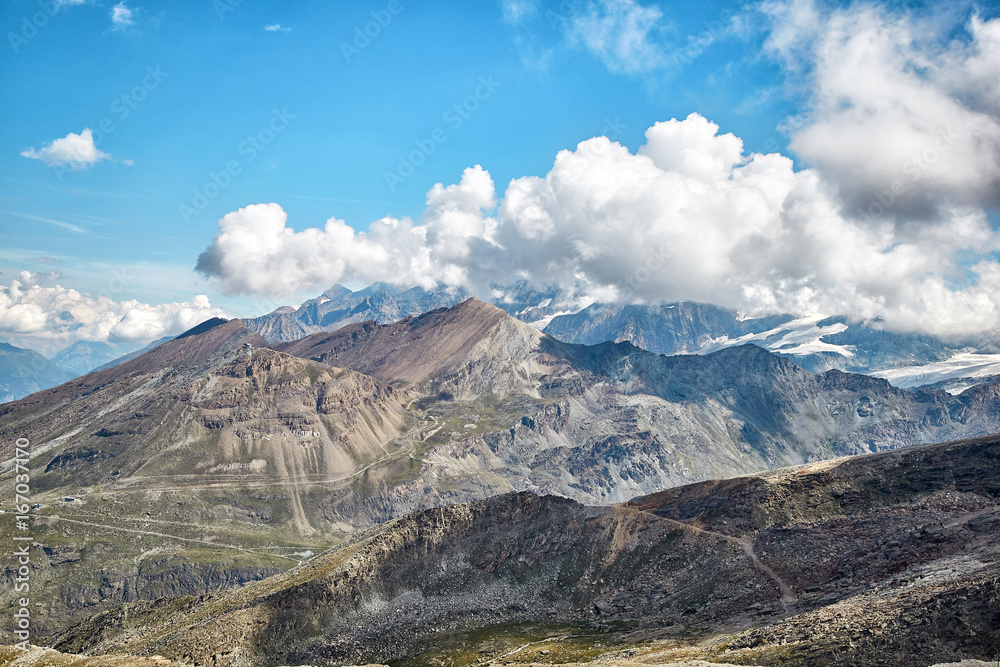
(218, 545)
(788, 598)
(789, 601)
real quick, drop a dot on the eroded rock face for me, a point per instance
(849, 560)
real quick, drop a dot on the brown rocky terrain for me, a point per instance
(856, 561)
(467, 351)
(193, 467)
(212, 460)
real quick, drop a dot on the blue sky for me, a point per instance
(310, 116)
(224, 74)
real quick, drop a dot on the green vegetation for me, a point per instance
(551, 644)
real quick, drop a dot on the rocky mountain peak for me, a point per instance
(469, 342)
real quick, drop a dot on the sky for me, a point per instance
(162, 163)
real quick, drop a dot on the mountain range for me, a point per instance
(816, 344)
(84, 356)
(216, 458)
(23, 372)
(339, 306)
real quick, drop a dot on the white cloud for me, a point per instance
(59, 4)
(76, 151)
(886, 219)
(692, 148)
(626, 36)
(688, 216)
(276, 27)
(904, 121)
(257, 253)
(52, 317)
(22, 318)
(122, 16)
(622, 33)
(58, 223)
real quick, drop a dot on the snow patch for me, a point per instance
(961, 365)
(798, 337)
(545, 321)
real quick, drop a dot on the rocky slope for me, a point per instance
(466, 351)
(211, 448)
(193, 467)
(854, 561)
(210, 403)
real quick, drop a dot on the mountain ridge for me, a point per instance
(338, 307)
(282, 454)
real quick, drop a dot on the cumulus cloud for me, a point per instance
(901, 116)
(257, 253)
(688, 216)
(52, 317)
(276, 27)
(76, 151)
(902, 120)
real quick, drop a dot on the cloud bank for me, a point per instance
(902, 119)
(862, 229)
(48, 318)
